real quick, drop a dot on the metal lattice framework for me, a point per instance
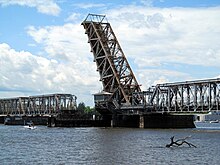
(115, 72)
(51, 104)
(189, 96)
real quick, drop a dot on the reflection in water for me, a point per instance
(107, 145)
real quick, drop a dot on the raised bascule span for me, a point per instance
(122, 96)
(116, 75)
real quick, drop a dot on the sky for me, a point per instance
(44, 48)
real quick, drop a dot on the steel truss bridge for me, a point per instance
(121, 91)
(190, 96)
(50, 104)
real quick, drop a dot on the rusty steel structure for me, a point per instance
(115, 72)
(120, 84)
(51, 104)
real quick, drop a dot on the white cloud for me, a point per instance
(179, 35)
(73, 17)
(89, 5)
(46, 7)
(160, 38)
(26, 74)
(148, 3)
(67, 42)
(149, 77)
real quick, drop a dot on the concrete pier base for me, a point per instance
(157, 120)
(130, 121)
(168, 121)
(68, 122)
(153, 120)
(2, 119)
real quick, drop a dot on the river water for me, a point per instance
(108, 146)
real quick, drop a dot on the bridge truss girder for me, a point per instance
(51, 104)
(114, 70)
(190, 96)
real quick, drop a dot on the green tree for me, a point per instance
(81, 107)
(86, 111)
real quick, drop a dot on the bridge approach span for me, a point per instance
(201, 96)
(50, 104)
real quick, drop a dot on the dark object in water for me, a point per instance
(179, 142)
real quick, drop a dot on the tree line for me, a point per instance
(86, 111)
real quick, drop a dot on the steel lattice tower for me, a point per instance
(115, 72)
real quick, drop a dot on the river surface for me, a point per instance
(108, 146)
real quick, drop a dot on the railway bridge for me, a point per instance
(122, 103)
(168, 105)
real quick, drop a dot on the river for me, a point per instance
(108, 146)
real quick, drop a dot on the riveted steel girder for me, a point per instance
(114, 70)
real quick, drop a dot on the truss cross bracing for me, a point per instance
(115, 72)
(189, 96)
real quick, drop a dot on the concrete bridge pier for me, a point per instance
(157, 120)
(130, 121)
(165, 120)
(2, 119)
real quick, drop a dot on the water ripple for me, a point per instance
(106, 146)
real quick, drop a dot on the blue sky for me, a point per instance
(43, 48)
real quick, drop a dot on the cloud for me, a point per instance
(163, 43)
(176, 35)
(73, 17)
(148, 3)
(23, 74)
(89, 5)
(149, 77)
(46, 7)
(62, 42)
(68, 45)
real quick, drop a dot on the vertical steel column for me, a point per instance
(195, 97)
(182, 97)
(175, 99)
(214, 95)
(188, 97)
(201, 102)
(157, 98)
(210, 96)
(169, 99)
